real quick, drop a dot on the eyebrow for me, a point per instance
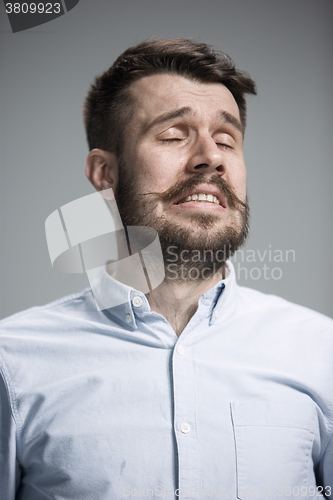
(181, 112)
(232, 120)
(171, 115)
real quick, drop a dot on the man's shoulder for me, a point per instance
(39, 335)
(67, 306)
(281, 310)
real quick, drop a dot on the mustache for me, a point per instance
(182, 186)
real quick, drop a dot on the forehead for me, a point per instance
(158, 94)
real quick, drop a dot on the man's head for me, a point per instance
(168, 138)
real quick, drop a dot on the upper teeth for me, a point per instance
(202, 197)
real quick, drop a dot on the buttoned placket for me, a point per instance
(185, 400)
(189, 472)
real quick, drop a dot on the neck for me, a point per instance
(178, 301)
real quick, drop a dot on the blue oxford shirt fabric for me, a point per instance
(108, 405)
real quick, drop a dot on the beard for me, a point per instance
(188, 244)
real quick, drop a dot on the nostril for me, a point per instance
(219, 168)
(201, 165)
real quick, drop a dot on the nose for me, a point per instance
(206, 156)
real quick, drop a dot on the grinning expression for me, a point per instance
(183, 166)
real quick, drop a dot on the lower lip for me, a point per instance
(199, 205)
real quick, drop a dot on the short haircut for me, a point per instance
(109, 104)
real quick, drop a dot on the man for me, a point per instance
(198, 388)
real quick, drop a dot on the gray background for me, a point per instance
(286, 46)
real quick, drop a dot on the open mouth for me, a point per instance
(202, 197)
(210, 195)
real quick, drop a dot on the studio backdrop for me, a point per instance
(47, 68)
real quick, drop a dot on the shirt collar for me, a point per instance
(223, 296)
(124, 302)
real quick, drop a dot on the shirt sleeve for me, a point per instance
(9, 466)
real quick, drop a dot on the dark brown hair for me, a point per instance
(109, 104)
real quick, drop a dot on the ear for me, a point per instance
(102, 169)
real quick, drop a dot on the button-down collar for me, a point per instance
(130, 302)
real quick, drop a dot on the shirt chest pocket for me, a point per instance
(273, 442)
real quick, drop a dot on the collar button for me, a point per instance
(137, 301)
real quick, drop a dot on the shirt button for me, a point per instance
(137, 301)
(185, 427)
(128, 318)
(216, 314)
(180, 349)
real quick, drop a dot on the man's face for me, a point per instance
(182, 170)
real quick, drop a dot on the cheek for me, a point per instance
(159, 170)
(238, 183)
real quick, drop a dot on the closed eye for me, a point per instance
(171, 140)
(224, 145)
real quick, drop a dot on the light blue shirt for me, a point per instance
(108, 405)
